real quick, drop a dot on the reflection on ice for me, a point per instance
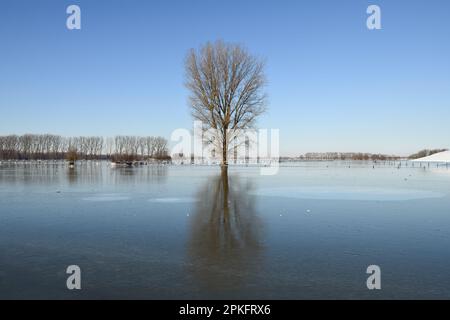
(173, 200)
(224, 246)
(106, 198)
(348, 193)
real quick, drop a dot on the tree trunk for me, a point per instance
(224, 149)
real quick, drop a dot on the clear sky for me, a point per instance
(333, 84)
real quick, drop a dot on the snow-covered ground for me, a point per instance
(443, 157)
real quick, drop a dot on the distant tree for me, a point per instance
(72, 150)
(150, 146)
(161, 151)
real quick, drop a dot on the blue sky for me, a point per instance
(333, 84)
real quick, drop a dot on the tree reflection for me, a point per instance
(138, 175)
(72, 175)
(224, 247)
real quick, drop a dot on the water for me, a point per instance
(184, 232)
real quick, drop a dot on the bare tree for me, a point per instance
(226, 86)
(150, 146)
(109, 147)
(72, 151)
(160, 148)
(26, 142)
(141, 143)
(11, 145)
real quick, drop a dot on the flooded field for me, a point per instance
(194, 232)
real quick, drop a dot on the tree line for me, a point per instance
(425, 153)
(130, 148)
(348, 156)
(55, 147)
